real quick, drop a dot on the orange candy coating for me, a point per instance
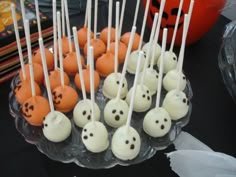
(38, 73)
(70, 63)
(105, 64)
(49, 58)
(103, 35)
(82, 36)
(23, 91)
(35, 109)
(55, 79)
(125, 39)
(64, 98)
(65, 45)
(122, 49)
(87, 80)
(98, 46)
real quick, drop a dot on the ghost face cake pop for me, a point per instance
(154, 48)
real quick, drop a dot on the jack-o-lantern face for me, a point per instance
(204, 15)
(35, 109)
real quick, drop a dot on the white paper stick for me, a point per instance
(63, 18)
(134, 90)
(122, 17)
(60, 49)
(54, 7)
(28, 42)
(79, 62)
(143, 25)
(149, 48)
(136, 12)
(182, 48)
(160, 75)
(68, 26)
(117, 35)
(95, 18)
(176, 25)
(91, 73)
(109, 25)
(13, 11)
(89, 29)
(126, 61)
(86, 15)
(38, 18)
(22, 10)
(45, 71)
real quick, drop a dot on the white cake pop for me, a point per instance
(94, 134)
(111, 83)
(132, 61)
(116, 110)
(56, 126)
(157, 121)
(171, 78)
(126, 142)
(157, 51)
(175, 101)
(82, 112)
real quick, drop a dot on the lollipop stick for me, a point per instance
(89, 28)
(182, 48)
(126, 61)
(13, 11)
(86, 15)
(38, 18)
(95, 18)
(144, 24)
(109, 25)
(68, 25)
(28, 42)
(176, 25)
(159, 83)
(117, 35)
(54, 6)
(79, 62)
(63, 18)
(136, 12)
(22, 9)
(122, 17)
(60, 49)
(91, 73)
(134, 90)
(45, 70)
(190, 12)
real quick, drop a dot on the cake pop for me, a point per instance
(35, 108)
(56, 126)
(126, 142)
(157, 121)
(82, 110)
(176, 102)
(132, 61)
(64, 97)
(86, 73)
(22, 88)
(94, 134)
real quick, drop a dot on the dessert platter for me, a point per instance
(101, 99)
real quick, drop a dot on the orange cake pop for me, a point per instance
(103, 35)
(125, 39)
(55, 78)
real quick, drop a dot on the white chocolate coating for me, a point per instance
(176, 104)
(170, 61)
(133, 61)
(170, 80)
(142, 99)
(125, 144)
(157, 122)
(157, 52)
(116, 112)
(95, 137)
(150, 80)
(111, 85)
(56, 127)
(82, 112)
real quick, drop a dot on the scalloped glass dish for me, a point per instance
(73, 150)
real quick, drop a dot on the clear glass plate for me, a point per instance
(73, 150)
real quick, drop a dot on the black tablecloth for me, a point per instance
(212, 122)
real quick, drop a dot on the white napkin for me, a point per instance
(195, 159)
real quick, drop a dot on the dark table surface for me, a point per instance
(212, 121)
